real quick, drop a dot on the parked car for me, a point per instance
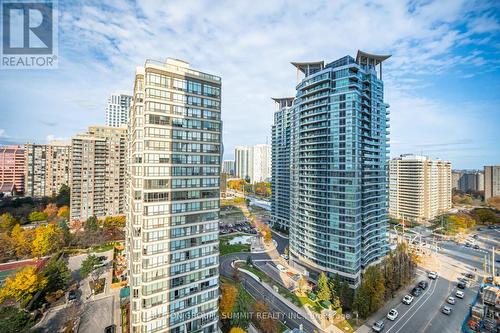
(378, 326)
(469, 275)
(393, 314)
(476, 247)
(284, 256)
(423, 285)
(72, 295)
(416, 291)
(451, 300)
(407, 299)
(459, 294)
(446, 310)
(432, 275)
(461, 285)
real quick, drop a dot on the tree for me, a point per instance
(91, 268)
(265, 320)
(47, 239)
(63, 197)
(7, 248)
(229, 293)
(237, 330)
(57, 273)
(323, 290)
(494, 202)
(374, 284)
(361, 302)
(249, 260)
(301, 284)
(486, 216)
(13, 320)
(7, 222)
(22, 240)
(22, 285)
(63, 212)
(37, 216)
(115, 221)
(51, 210)
(91, 224)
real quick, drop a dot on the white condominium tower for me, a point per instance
(117, 109)
(173, 195)
(253, 162)
(419, 188)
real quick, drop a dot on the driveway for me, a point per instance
(97, 315)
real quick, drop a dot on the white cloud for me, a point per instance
(251, 44)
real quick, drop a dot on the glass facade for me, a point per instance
(338, 171)
(174, 158)
(280, 178)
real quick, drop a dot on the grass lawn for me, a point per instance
(103, 248)
(226, 248)
(281, 290)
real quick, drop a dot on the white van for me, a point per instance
(281, 268)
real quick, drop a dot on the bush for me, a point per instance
(312, 296)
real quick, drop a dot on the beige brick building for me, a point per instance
(98, 172)
(47, 168)
(419, 188)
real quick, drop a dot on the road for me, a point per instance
(424, 314)
(279, 308)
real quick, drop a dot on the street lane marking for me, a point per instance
(414, 304)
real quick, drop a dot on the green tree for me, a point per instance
(7, 222)
(37, 216)
(374, 284)
(91, 224)
(486, 216)
(57, 273)
(362, 301)
(13, 320)
(91, 268)
(62, 198)
(323, 290)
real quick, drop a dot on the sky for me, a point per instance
(442, 81)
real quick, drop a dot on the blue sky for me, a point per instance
(442, 81)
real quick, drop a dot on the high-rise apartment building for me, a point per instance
(419, 188)
(468, 180)
(261, 170)
(47, 168)
(117, 109)
(228, 167)
(98, 172)
(253, 162)
(243, 160)
(280, 179)
(491, 181)
(338, 167)
(173, 195)
(12, 168)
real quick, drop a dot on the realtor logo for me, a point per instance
(29, 34)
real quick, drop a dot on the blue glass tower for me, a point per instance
(338, 167)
